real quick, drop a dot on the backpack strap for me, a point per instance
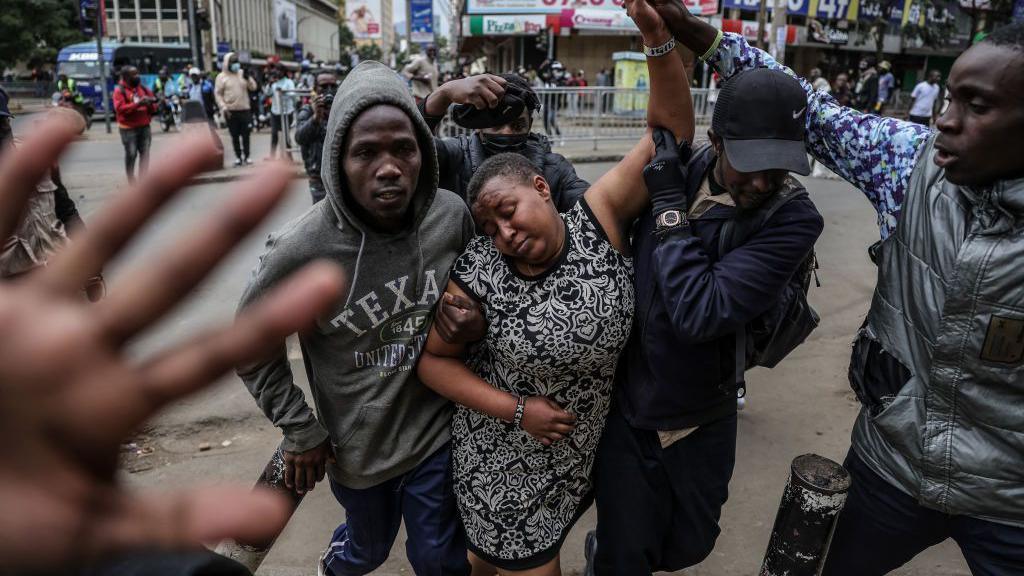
(735, 232)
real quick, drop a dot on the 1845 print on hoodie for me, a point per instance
(398, 320)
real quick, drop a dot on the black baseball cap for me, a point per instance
(761, 115)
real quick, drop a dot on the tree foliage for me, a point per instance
(33, 31)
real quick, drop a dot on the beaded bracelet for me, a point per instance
(517, 420)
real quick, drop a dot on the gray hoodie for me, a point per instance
(360, 358)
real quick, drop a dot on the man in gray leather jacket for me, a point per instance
(938, 446)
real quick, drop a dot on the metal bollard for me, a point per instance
(814, 496)
(251, 554)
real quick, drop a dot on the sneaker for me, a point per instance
(238, 161)
(589, 551)
(248, 161)
(321, 563)
(322, 569)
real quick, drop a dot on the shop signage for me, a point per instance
(597, 20)
(828, 32)
(831, 9)
(749, 30)
(517, 25)
(539, 6)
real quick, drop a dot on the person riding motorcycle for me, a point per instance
(165, 89)
(68, 89)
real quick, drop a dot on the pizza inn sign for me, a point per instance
(517, 25)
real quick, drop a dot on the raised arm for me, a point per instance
(619, 196)
(874, 154)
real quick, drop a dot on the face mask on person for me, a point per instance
(235, 67)
(498, 143)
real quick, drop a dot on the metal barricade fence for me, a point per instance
(595, 113)
(579, 114)
(29, 89)
(288, 120)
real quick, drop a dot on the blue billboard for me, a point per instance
(422, 20)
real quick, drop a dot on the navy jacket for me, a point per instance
(679, 366)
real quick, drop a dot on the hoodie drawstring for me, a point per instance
(355, 273)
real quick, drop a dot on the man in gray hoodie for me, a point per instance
(379, 433)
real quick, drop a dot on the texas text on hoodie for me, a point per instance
(360, 358)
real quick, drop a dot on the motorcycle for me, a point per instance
(66, 99)
(262, 119)
(170, 113)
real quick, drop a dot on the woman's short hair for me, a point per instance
(515, 167)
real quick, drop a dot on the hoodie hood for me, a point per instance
(225, 68)
(369, 84)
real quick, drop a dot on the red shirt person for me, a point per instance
(134, 106)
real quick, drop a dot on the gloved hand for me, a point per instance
(665, 175)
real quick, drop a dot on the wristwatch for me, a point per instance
(669, 220)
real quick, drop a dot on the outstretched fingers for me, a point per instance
(183, 520)
(149, 291)
(121, 219)
(290, 307)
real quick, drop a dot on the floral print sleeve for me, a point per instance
(873, 153)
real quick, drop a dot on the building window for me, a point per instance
(147, 9)
(168, 10)
(127, 9)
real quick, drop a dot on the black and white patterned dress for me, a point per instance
(558, 334)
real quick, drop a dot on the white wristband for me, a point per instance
(660, 50)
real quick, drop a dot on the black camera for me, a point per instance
(329, 99)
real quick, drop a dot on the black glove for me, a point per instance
(665, 176)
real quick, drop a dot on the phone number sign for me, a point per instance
(703, 7)
(825, 9)
(538, 6)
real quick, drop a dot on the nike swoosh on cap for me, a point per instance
(799, 112)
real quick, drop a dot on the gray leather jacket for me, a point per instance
(949, 306)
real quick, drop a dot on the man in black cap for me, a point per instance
(668, 449)
(500, 111)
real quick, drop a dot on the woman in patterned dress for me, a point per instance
(557, 295)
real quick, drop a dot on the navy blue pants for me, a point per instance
(881, 528)
(658, 509)
(423, 497)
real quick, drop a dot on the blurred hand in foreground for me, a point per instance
(69, 392)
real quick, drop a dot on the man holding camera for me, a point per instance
(311, 129)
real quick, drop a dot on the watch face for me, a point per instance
(670, 218)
